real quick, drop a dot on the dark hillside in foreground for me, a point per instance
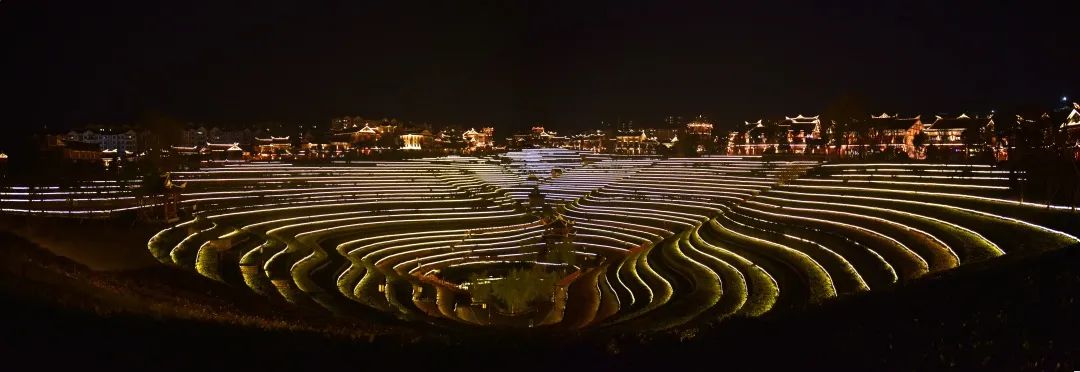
(30, 274)
(1007, 314)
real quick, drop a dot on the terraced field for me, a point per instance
(653, 244)
(86, 199)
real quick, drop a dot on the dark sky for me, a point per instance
(564, 64)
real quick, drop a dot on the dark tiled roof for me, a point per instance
(888, 123)
(959, 123)
(806, 127)
(81, 146)
(799, 120)
(900, 123)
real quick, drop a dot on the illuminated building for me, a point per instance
(953, 134)
(1071, 127)
(479, 140)
(185, 150)
(950, 131)
(663, 135)
(244, 138)
(416, 140)
(73, 150)
(87, 136)
(316, 150)
(792, 135)
(350, 134)
(450, 140)
(886, 131)
(366, 133)
(635, 144)
(749, 140)
(595, 141)
(700, 127)
(798, 133)
(107, 139)
(346, 123)
(274, 147)
(123, 142)
(540, 137)
(223, 151)
(345, 139)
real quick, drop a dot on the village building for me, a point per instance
(479, 140)
(884, 133)
(791, 135)
(1071, 129)
(223, 151)
(416, 139)
(274, 148)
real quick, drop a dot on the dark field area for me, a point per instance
(1011, 313)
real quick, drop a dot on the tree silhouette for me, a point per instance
(561, 252)
(919, 141)
(839, 118)
(536, 198)
(519, 288)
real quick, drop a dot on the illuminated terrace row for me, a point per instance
(708, 238)
(347, 238)
(659, 243)
(81, 199)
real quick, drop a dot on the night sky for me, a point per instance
(512, 64)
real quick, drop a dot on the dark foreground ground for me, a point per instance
(1013, 313)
